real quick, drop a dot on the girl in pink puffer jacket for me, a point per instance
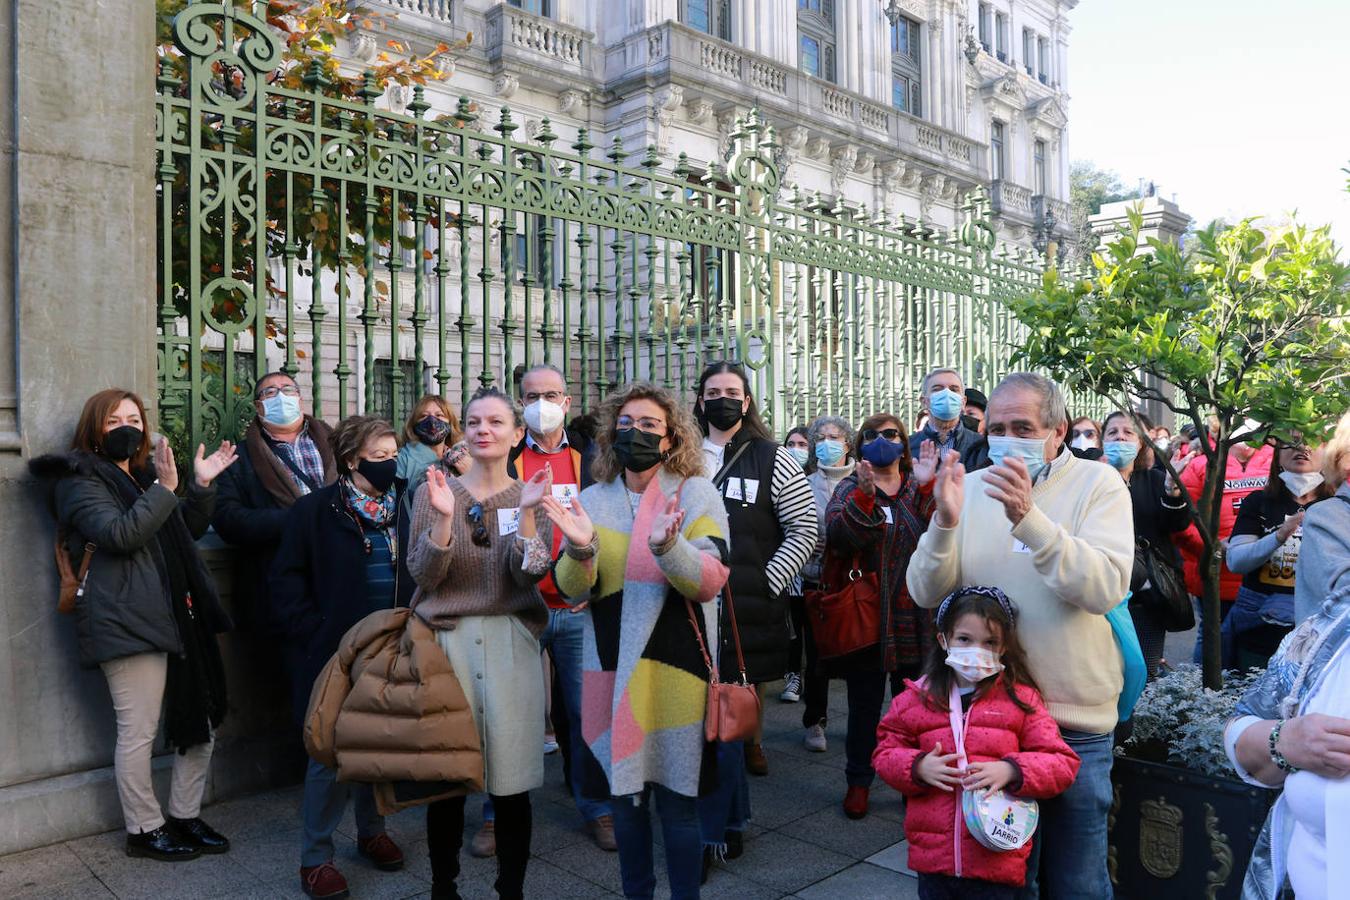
(1011, 743)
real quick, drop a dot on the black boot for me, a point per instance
(735, 844)
(196, 833)
(162, 845)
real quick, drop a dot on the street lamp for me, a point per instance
(892, 10)
(1045, 230)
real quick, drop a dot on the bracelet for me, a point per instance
(1276, 756)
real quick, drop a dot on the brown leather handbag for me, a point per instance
(845, 613)
(733, 708)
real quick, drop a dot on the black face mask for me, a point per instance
(431, 430)
(637, 450)
(723, 413)
(380, 474)
(971, 423)
(122, 442)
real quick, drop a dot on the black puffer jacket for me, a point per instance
(126, 607)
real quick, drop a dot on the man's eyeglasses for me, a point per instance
(890, 434)
(550, 396)
(479, 535)
(268, 393)
(649, 425)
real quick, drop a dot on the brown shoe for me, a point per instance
(382, 851)
(602, 832)
(755, 763)
(484, 843)
(323, 882)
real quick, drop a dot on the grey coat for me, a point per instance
(1324, 556)
(126, 606)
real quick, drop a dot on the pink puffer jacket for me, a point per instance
(996, 728)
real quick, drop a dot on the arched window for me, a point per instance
(906, 67)
(815, 38)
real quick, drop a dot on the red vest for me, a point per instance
(566, 466)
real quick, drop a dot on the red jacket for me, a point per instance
(996, 728)
(1239, 481)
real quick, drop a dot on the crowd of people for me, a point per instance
(588, 582)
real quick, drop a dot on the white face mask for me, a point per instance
(543, 417)
(1300, 483)
(1083, 443)
(974, 664)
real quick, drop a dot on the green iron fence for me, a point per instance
(376, 256)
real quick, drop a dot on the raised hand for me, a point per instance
(666, 524)
(867, 477)
(166, 470)
(539, 486)
(938, 770)
(439, 495)
(206, 468)
(925, 468)
(991, 776)
(949, 489)
(1010, 484)
(1291, 524)
(574, 523)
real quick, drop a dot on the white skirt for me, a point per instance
(496, 659)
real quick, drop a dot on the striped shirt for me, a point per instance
(795, 506)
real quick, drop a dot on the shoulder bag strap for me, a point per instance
(958, 720)
(721, 477)
(735, 631)
(289, 463)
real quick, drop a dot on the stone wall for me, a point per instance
(77, 314)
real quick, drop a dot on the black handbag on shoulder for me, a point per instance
(1155, 573)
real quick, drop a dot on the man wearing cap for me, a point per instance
(973, 416)
(943, 396)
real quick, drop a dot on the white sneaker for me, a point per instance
(550, 745)
(815, 738)
(792, 688)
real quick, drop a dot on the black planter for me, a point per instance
(1177, 833)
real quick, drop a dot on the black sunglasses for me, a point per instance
(890, 434)
(479, 535)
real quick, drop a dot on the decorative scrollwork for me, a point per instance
(1222, 853)
(208, 29)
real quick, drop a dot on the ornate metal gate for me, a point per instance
(377, 255)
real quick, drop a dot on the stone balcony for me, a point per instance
(516, 38)
(715, 75)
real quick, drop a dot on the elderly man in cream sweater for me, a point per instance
(1056, 533)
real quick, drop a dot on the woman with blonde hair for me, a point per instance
(431, 430)
(647, 545)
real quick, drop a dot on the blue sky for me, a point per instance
(1237, 107)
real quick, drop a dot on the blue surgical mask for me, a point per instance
(881, 452)
(1030, 450)
(800, 454)
(1120, 453)
(281, 410)
(829, 453)
(946, 405)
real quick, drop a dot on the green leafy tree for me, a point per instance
(1245, 324)
(1089, 189)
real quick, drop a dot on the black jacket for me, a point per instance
(756, 534)
(126, 608)
(972, 446)
(318, 582)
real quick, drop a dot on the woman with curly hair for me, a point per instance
(648, 536)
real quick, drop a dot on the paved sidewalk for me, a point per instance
(799, 844)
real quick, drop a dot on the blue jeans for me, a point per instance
(728, 807)
(1252, 610)
(325, 801)
(562, 639)
(679, 829)
(1068, 856)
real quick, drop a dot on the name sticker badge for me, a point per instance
(734, 489)
(1019, 547)
(564, 493)
(886, 511)
(508, 520)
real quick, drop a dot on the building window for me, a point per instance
(996, 151)
(1043, 60)
(1038, 163)
(815, 29)
(410, 388)
(710, 16)
(1001, 37)
(986, 17)
(906, 68)
(531, 249)
(1029, 50)
(538, 7)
